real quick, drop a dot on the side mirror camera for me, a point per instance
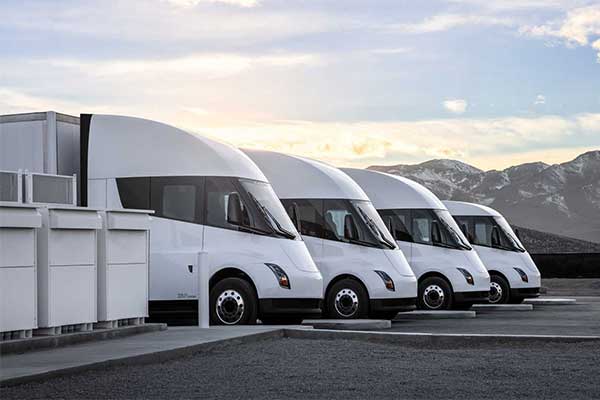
(350, 231)
(495, 236)
(436, 236)
(234, 209)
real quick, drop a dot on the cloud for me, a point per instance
(539, 99)
(456, 106)
(485, 142)
(194, 3)
(577, 28)
(391, 51)
(203, 65)
(490, 143)
(444, 22)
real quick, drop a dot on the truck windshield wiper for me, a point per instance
(441, 244)
(250, 229)
(362, 243)
(278, 229)
(381, 237)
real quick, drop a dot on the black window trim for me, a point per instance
(375, 243)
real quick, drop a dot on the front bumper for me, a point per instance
(290, 307)
(472, 297)
(525, 293)
(390, 305)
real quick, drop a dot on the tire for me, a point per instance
(435, 293)
(347, 299)
(499, 290)
(225, 299)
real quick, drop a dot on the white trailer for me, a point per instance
(364, 272)
(449, 272)
(514, 275)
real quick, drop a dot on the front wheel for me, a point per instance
(434, 294)
(233, 301)
(499, 290)
(347, 299)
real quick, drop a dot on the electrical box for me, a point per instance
(18, 278)
(123, 255)
(67, 267)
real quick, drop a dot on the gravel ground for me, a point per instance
(302, 368)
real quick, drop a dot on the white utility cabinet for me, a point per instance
(67, 268)
(18, 289)
(123, 254)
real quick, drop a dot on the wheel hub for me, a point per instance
(230, 307)
(346, 302)
(433, 296)
(495, 292)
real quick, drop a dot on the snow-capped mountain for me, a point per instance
(562, 198)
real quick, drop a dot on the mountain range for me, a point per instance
(562, 199)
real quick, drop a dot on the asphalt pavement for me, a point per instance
(581, 319)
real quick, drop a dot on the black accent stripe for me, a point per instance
(84, 141)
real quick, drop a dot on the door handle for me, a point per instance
(191, 268)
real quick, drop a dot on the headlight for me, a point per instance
(524, 277)
(280, 274)
(467, 275)
(387, 281)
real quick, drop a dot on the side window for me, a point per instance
(398, 223)
(335, 212)
(177, 197)
(218, 190)
(134, 192)
(310, 214)
(421, 226)
(465, 225)
(482, 232)
(179, 202)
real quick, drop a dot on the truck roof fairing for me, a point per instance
(296, 177)
(388, 191)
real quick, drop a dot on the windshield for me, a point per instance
(262, 194)
(373, 220)
(511, 239)
(452, 231)
(490, 232)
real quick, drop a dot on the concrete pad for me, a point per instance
(502, 307)
(424, 340)
(67, 339)
(425, 314)
(542, 301)
(349, 324)
(138, 349)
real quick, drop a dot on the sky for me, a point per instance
(353, 82)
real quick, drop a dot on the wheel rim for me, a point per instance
(346, 302)
(434, 297)
(230, 307)
(495, 292)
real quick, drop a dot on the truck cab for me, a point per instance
(514, 275)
